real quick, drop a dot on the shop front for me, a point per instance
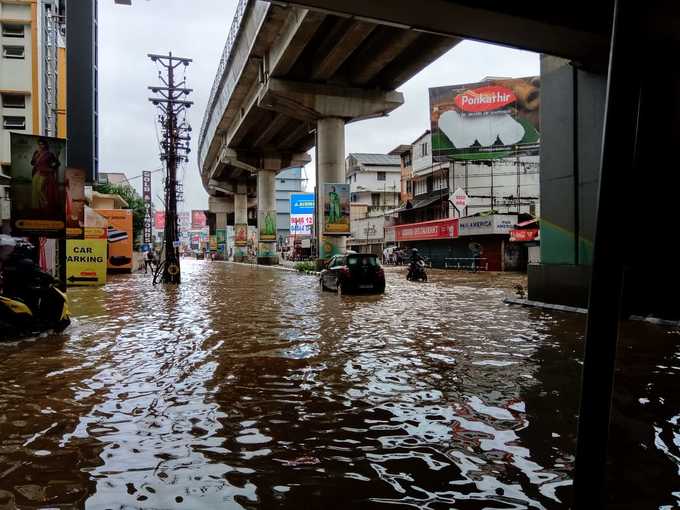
(479, 242)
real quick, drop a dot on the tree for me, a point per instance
(135, 202)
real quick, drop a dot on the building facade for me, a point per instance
(288, 181)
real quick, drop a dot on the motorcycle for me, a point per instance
(416, 271)
(30, 302)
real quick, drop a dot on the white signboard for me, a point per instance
(485, 225)
(460, 199)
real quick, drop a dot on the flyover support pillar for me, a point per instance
(240, 223)
(266, 217)
(331, 170)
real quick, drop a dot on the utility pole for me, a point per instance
(174, 149)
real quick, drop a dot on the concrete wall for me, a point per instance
(572, 102)
(572, 115)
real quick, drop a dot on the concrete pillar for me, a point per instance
(240, 221)
(331, 169)
(266, 217)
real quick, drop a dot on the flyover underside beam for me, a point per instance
(581, 42)
(386, 44)
(310, 101)
(338, 46)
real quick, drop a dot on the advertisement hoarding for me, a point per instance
(86, 261)
(301, 214)
(37, 188)
(146, 196)
(485, 120)
(75, 201)
(336, 209)
(198, 219)
(159, 220)
(240, 234)
(438, 229)
(221, 235)
(119, 235)
(267, 225)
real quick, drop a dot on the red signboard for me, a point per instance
(484, 99)
(159, 220)
(198, 219)
(528, 234)
(438, 229)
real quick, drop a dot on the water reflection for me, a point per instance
(250, 388)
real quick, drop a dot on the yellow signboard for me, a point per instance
(86, 261)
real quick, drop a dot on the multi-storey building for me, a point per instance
(287, 182)
(374, 180)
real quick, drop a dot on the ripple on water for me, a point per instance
(248, 387)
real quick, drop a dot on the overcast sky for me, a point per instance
(197, 29)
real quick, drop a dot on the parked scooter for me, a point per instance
(30, 302)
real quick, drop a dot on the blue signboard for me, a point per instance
(301, 213)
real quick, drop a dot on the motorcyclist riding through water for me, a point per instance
(416, 268)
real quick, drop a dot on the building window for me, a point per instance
(375, 199)
(406, 159)
(409, 186)
(355, 177)
(13, 51)
(9, 122)
(381, 176)
(9, 30)
(13, 101)
(353, 197)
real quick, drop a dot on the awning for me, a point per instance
(423, 202)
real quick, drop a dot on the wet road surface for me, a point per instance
(250, 388)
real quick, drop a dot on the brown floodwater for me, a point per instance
(250, 388)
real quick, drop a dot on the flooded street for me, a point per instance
(250, 388)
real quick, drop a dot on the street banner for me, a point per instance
(119, 235)
(491, 119)
(241, 234)
(37, 188)
(159, 220)
(267, 225)
(520, 235)
(75, 202)
(301, 214)
(86, 261)
(336, 209)
(198, 219)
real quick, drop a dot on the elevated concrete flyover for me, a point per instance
(290, 77)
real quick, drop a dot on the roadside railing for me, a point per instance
(467, 263)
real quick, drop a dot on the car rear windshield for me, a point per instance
(362, 260)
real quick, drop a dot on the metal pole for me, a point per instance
(616, 170)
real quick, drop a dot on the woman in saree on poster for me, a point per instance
(45, 167)
(334, 211)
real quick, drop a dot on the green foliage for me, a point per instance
(135, 202)
(305, 266)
